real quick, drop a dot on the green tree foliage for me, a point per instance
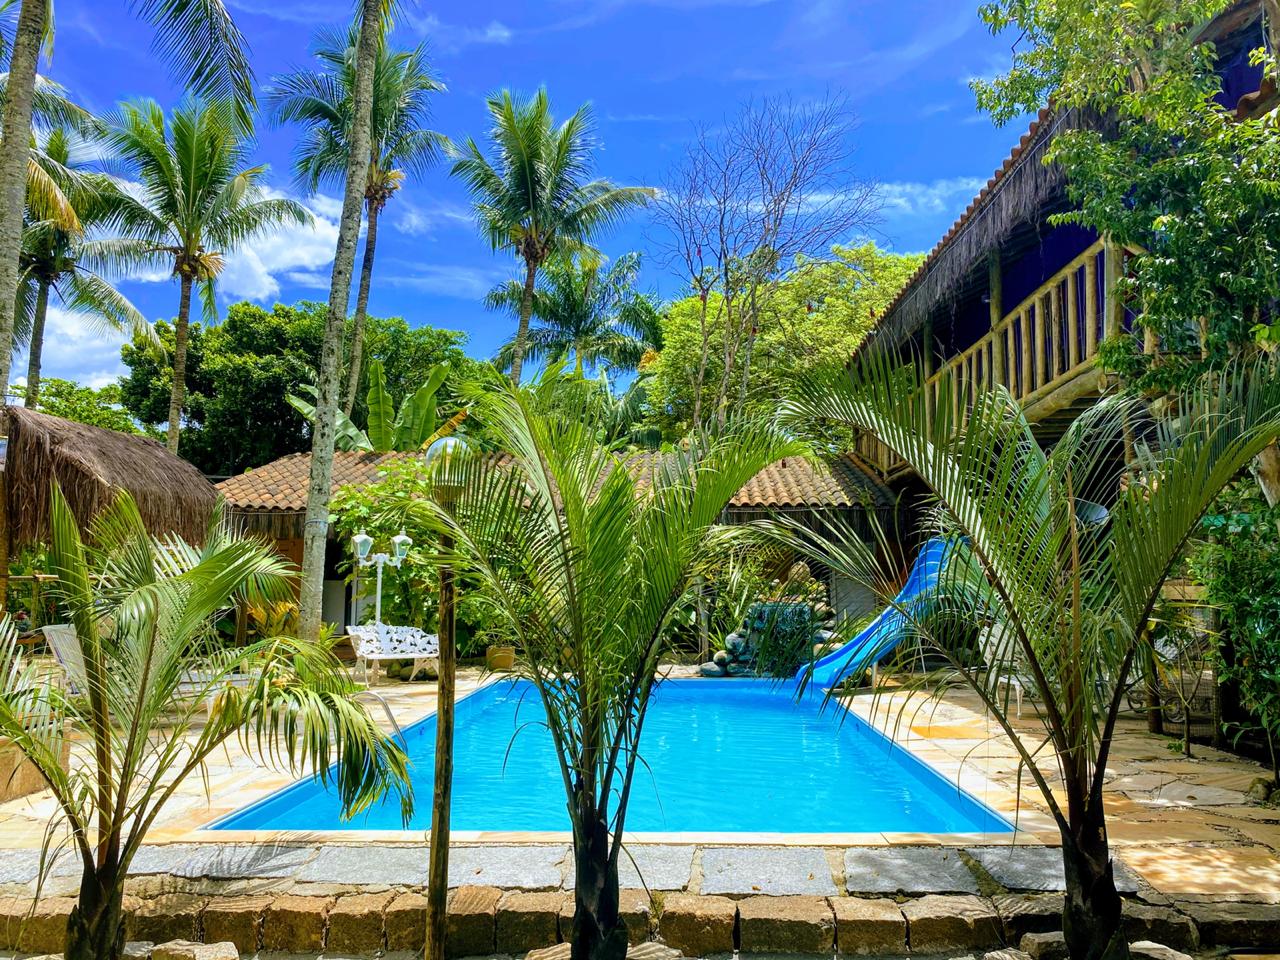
(99, 408)
(1180, 179)
(816, 316)
(1240, 566)
(243, 370)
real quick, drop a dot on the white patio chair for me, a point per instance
(382, 641)
(65, 645)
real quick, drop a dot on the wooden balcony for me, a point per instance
(1044, 350)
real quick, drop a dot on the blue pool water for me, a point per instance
(717, 756)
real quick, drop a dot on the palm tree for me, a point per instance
(534, 198)
(60, 257)
(582, 310)
(197, 199)
(201, 43)
(157, 693)
(1066, 552)
(373, 24)
(585, 572)
(321, 101)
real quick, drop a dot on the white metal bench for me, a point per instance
(382, 641)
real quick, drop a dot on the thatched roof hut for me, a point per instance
(92, 465)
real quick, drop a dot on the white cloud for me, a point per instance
(254, 270)
(427, 219)
(949, 195)
(447, 280)
(452, 37)
(75, 350)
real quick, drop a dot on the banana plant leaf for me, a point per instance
(382, 422)
(347, 436)
(417, 420)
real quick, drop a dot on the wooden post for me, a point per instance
(1073, 321)
(995, 310)
(1043, 310)
(1024, 381)
(442, 795)
(1113, 266)
(1091, 306)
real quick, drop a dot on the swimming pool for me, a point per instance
(719, 756)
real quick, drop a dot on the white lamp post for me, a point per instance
(362, 543)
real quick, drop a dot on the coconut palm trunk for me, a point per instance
(178, 395)
(526, 312)
(36, 348)
(315, 531)
(362, 308)
(14, 153)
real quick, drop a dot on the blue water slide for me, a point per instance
(885, 632)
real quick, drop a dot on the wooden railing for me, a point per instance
(1044, 342)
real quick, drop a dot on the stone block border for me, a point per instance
(485, 919)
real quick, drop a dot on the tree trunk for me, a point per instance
(438, 873)
(1091, 918)
(522, 330)
(316, 527)
(178, 395)
(36, 347)
(95, 927)
(362, 311)
(14, 154)
(599, 933)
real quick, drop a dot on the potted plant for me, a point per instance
(500, 657)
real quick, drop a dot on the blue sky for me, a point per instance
(652, 69)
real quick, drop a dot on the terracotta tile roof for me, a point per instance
(281, 486)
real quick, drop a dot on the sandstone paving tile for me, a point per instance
(19, 866)
(777, 871)
(1181, 869)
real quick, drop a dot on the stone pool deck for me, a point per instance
(1200, 860)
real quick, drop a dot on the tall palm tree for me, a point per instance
(197, 200)
(586, 572)
(1066, 551)
(533, 198)
(156, 693)
(62, 258)
(372, 18)
(207, 54)
(322, 102)
(583, 310)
